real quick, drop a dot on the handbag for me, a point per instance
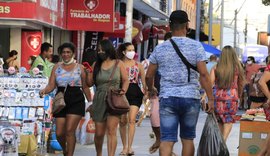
(59, 99)
(59, 102)
(117, 103)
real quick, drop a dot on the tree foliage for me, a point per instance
(266, 2)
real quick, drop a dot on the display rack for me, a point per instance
(21, 107)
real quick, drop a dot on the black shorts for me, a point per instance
(75, 102)
(134, 95)
(257, 99)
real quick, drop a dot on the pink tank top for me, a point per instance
(133, 73)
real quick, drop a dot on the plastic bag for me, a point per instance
(87, 131)
(78, 130)
(212, 142)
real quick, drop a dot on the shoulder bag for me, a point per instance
(117, 103)
(184, 60)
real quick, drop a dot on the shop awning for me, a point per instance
(19, 23)
(146, 8)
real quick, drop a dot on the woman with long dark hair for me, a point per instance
(126, 53)
(104, 121)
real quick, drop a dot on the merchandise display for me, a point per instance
(24, 111)
(254, 129)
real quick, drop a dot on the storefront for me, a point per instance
(26, 24)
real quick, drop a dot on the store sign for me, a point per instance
(91, 15)
(52, 12)
(46, 11)
(118, 31)
(31, 43)
(25, 10)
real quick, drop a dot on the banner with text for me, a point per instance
(91, 43)
(31, 43)
(91, 15)
(52, 12)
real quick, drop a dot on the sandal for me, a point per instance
(153, 148)
(131, 153)
(123, 154)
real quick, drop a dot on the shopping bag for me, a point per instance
(87, 131)
(212, 142)
(78, 130)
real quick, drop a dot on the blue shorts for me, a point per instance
(174, 111)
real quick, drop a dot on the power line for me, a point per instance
(237, 11)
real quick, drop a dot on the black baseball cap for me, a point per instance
(179, 17)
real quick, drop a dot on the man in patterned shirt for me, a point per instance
(179, 91)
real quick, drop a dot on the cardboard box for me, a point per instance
(252, 137)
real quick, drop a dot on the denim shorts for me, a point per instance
(174, 111)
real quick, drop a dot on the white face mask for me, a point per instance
(69, 62)
(130, 55)
(249, 62)
(29, 62)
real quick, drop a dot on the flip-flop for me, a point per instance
(131, 153)
(153, 148)
(122, 154)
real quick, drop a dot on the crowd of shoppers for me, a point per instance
(172, 83)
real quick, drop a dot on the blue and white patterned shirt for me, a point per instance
(174, 74)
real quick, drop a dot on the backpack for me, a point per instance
(254, 86)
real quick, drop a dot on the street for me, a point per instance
(142, 140)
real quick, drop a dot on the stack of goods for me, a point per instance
(254, 114)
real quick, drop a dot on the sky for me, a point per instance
(254, 10)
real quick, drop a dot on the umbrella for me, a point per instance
(210, 50)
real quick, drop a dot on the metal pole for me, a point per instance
(245, 31)
(178, 5)
(221, 24)
(198, 20)
(129, 11)
(210, 22)
(235, 29)
(169, 7)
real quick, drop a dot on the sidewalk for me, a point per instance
(142, 141)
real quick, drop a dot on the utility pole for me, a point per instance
(245, 30)
(221, 24)
(235, 28)
(129, 12)
(198, 19)
(178, 4)
(210, 23)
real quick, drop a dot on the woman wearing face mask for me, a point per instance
(134, 94)
(251, 69)
(104, 121)
(68, 77)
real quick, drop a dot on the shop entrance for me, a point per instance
(4, 42)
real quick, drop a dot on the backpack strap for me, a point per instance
(184, 60)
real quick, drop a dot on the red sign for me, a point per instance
(21, 10)
(118, 32)
(31, 43)
(51, 12)
(91, 15)
(116, 20)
